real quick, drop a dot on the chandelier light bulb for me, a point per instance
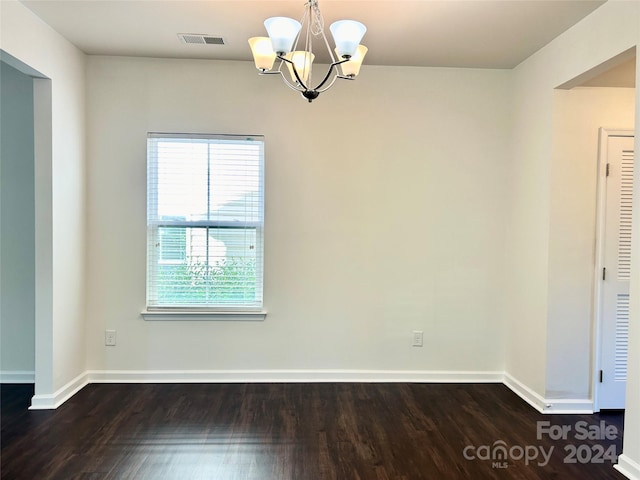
(352, 67)
(282, 31)
(303, 63)
(347, 35)
(263, 54)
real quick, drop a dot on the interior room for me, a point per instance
(434, 228)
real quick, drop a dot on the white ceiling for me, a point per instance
(446, 33)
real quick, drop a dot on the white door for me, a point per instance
(616, 271)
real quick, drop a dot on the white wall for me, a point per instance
(532, 310)
(610, 30)
(630, 460)
(17, 225)
(384, 214)
(527, 234)
(577, 116)
(60, 203)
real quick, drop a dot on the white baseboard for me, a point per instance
(524, 392)
(579, 406)
(17, 376)
(566, 406)
(48, 402)
(294, 376)
(546, 405)
(628, 467)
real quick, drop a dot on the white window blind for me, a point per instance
(205, 211)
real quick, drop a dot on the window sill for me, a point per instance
(209, 315)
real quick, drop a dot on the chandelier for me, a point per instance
(282, 43)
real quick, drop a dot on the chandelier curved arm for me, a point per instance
(295, 72)
(333, 80)
(328, 75)
(321, 84)
(291, 85)
(301, 87)
(284, 78)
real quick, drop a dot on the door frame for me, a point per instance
(601, 197)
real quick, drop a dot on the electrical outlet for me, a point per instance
(417, 338)
(110, 338)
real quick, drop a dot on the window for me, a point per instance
(205, 197)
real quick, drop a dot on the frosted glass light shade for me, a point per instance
(263, 54)
(303, 62)
(282, 32)
(352, 67)
(347, 35)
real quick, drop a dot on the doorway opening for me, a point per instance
(40, 370)
(601, 97)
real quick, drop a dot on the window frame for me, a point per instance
(154, 223)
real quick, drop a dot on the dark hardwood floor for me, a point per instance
(298, 432)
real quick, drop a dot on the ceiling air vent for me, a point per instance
(198, 39)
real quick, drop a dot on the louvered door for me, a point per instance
(616, 272)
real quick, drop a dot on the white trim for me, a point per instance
(577, 406)
(525, 393)
(542, 405)
(19, 65)
(628, 467)
(47, 402)
(17, 376)
(64, 393)
(293, 376)
(182, 315)
(548, 405)
(601, 198)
